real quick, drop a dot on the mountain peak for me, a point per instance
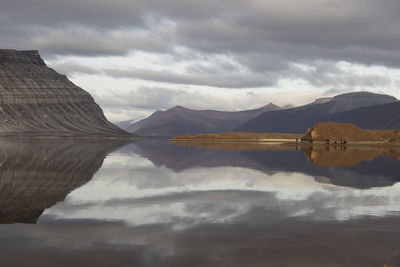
(353, 100)
(365, 94)
(177, 108)
(270, 106)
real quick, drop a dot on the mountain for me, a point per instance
(180, 120)
(380, 117)
(297, 120)
(37, 101)
(133, 125)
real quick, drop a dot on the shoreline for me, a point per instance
(273, 141)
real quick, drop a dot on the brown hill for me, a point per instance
(332, 131)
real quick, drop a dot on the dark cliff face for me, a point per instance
(37, 101)
(36, 174)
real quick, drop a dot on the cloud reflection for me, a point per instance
(145, 194)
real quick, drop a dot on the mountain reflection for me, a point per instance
(358, 167)
(36, 174)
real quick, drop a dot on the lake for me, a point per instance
(155, 203)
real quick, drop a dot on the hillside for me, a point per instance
(180, 120)
(297, 120)
(37, 101)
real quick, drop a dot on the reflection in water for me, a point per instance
(160, 204)
(342, 156)
(36, 174)
(359, 167)
(321, 155)
(140, 193)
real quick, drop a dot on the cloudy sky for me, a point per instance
(137, 56)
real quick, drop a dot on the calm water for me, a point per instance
(154, 203)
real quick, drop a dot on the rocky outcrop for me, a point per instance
(37, 101)
(36, 174)
(395, 137)
(332, 132)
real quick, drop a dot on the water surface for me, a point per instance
(154, 203)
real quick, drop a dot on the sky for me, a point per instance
(138, 56)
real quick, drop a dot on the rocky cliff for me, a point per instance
(37, 101)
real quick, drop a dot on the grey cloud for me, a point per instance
(152, 98)
(155, 98)
(85, 42)
(264, 38)
(70, 68)
(233, 80)
(362, 31)
(329, 74)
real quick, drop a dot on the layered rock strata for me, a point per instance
(35, 101)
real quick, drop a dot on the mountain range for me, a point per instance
(364, 109)
(181, 120)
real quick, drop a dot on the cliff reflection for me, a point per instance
(36, 174)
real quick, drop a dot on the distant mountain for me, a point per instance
(133, 125)
(180, 120)
(380, 117)
(297, 120)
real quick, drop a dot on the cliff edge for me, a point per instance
(37, 101)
